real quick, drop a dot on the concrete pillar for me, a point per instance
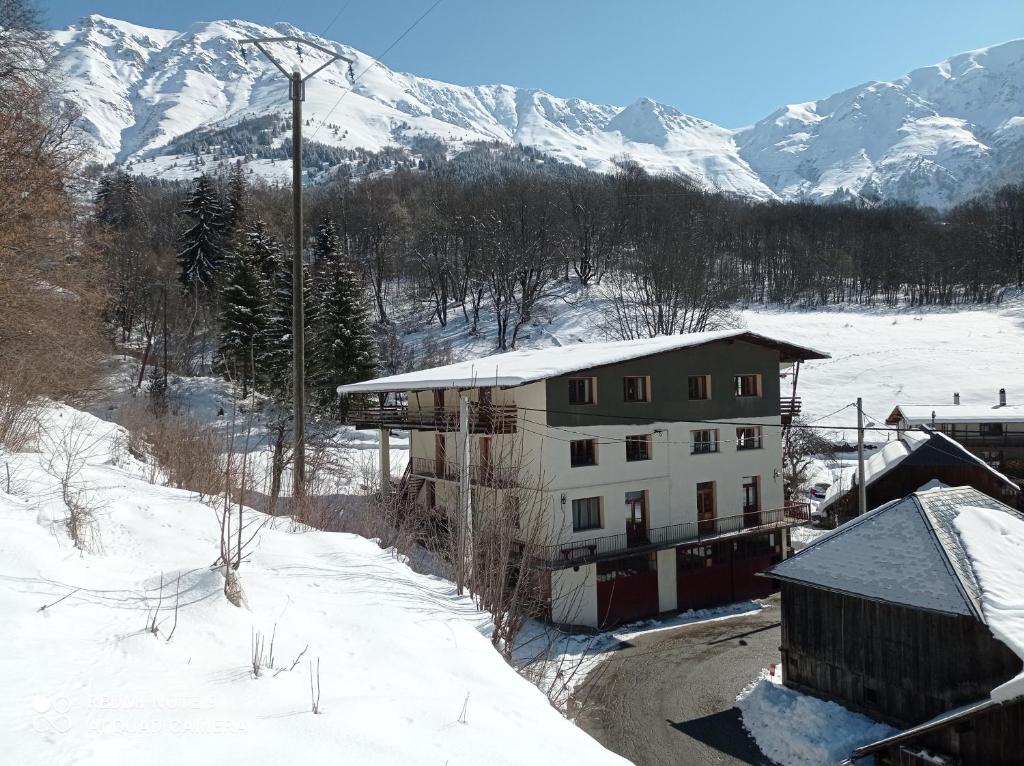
(385, 461)
(667, 590)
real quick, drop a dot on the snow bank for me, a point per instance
(407, 672)
(994, 541)
(799, 730)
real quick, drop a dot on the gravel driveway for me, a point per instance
(668, 697)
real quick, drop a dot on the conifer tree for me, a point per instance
(245, 316)
(344, 350)
(201, 254)
(234, 210)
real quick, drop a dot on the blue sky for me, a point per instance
(729, 61)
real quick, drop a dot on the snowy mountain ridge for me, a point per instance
(935, 136)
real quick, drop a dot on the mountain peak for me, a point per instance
(935, 136)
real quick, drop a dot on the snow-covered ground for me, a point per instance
(407, 674)
(796, 729)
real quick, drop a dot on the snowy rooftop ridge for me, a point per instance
(921, 414)
(514, 368)
(908, 552)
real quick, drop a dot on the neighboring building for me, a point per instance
(658, 462)
(892, 615)
(908, 463)
(995, 434)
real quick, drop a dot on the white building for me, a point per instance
(656, 463)
(995, 432)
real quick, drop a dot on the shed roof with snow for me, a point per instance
(514, 368)
(923, 446)
(907, 552)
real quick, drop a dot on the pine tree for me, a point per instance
(328, 244)
(344, 350)
(275, 367)
(200, 257)
(234, 212)
(245, 316)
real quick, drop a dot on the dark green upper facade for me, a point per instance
(669, 373)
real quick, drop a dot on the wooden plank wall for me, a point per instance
(896, 664)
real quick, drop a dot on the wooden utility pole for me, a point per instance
(297, 94)
(465, 500)
(862, 502)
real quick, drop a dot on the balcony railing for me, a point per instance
(577, 552)
(790, 407)
(482, 419)
(488, 475)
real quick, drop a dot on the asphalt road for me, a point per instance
(668, 698)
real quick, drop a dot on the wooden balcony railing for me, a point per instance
(577, 552)
(482, 419)
(790, 407)
(487, 475)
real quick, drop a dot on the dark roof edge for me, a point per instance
(967, 711)
(854, 594)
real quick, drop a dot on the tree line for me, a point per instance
(490, 235)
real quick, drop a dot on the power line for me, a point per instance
(336, 17)
(387, 50)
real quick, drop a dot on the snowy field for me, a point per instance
(407, 674)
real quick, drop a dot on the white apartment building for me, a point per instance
(656, 464)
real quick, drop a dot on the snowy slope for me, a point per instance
(138, 89)
(407, 672)
(935, 136)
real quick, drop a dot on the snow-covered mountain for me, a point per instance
(934, 136)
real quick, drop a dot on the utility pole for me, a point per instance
(465, 500)
(862, 501)
(297, 94)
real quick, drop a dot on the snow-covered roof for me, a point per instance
(895, 452)
(921, 414)
(907, 552)
(515, 368)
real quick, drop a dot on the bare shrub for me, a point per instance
(69, 446)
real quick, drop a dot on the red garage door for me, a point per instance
(722, 573)
(627, 590)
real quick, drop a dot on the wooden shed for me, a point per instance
(913, 460)
(884, 616)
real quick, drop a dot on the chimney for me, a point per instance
(956, 397)
(1002, 397)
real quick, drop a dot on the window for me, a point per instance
(636, 389)
(748, 437)
(704, 441)
(582, 452)
(747, 385)
(638, 447)
(700, 387)
(991, 429)
(582, 390)
(586, 514)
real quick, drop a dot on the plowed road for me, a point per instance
(667, 698)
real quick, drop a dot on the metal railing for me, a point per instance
(482, 419)
(576, 552)
(489, 475)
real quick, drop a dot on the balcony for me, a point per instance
(486, 475)
(790, 408)
(492, 419)
(577, 552)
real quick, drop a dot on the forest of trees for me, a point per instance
(495, 232)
